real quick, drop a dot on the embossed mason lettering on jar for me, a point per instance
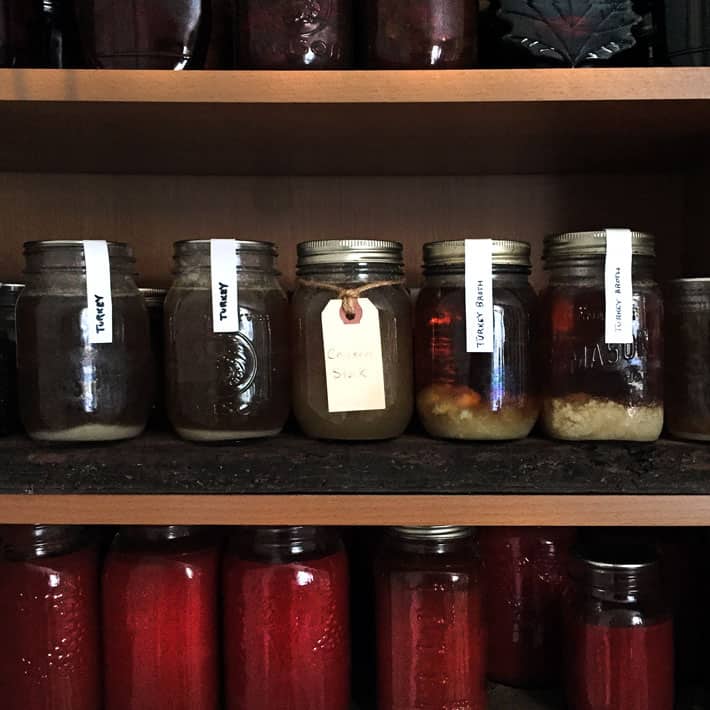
(226, 341)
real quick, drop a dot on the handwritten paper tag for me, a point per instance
(223, 283)
(478, 280)
(618, 287)
(354, 373)
(99, 303)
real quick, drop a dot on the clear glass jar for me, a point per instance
(687, 338)
(161, 634)
(286, 620)
(49, 612)
(525, 573)
(591, 389)
(327, 269)
(9, 416)
(295, 34)
(430, 628)
(227, 386)
(71, 389)
(620, 633)
(462, 395)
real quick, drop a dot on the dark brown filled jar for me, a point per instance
(305, 34)
(232, 384)
(353, 378)
(597, 385)
(85, 370)
(420, 34)
(489, 394)
(20, 21)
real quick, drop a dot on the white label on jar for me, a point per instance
(354, 374)
(99, 303)
(618, 288)
(223, 280)
(479, 295)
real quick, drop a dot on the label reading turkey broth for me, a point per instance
(618, 288)
(478, 280)
(99, 303)
(223, 282)
(352, 348)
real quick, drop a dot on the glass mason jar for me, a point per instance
(591, 389)
(526, 579)
(462, 395)
(286, 620)
(227, 386)
(420, 34)
(144, 34)
(72, 389)
(373, 270)
(295, 34)
(9, 417)
(687, 338)
(19, 23)
(430, 628)
(161, 634)
(688, 32)
(154, 302)
(620, 633)
(49, 612)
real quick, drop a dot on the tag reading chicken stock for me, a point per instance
(354, 373)
(478, 280)
(99, 303)
(224, 287)
(618, 288)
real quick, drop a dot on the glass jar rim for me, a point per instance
(17, 541)
(439, 533)
(452, 252)
(40, 244)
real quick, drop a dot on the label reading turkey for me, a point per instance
(354, 374)
(618, 288)
(223, 281)
(479, 295)
(99, 304)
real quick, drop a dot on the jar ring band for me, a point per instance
(349, 296)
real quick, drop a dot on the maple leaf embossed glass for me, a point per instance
(226, 386)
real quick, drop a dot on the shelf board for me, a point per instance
(411, 480)
(356, 122)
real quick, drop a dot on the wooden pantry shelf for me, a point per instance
(412, 480)
(355, 123)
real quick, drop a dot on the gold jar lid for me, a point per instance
(349, 251)
(570, 245)
(506, 252)
(433, 532)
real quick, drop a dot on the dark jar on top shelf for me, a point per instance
(49, 612)
(73, 388)
(19, 24)
(431, 637)
(286, 620)
(353, 378)
(688, 32)
(160, 608)
(225, 386)
(620, 633)
(525, 574)
(595, 388)
(420, 34)
(9, 415)
(465, 395)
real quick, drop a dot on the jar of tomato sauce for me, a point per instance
(49, 614)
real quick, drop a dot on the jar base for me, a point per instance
(689, 436)
(88, 433)
(206, 435)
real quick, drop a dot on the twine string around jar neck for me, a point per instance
(349, 296)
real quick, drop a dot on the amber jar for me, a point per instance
(593, 389)
(326, 269)
(462, 395)
(226, 386)
(283, 34)
(430, 629)
(9, 416)
(73, 389)
(420, 34)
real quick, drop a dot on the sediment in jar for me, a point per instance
(207, 435)
(89, 432)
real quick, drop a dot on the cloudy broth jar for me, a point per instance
(85, 369)
(351, 334)
(226, 382)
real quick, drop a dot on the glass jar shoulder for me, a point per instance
(394, 300)
(512, 293)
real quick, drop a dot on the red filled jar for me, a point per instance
(431, 635)
(620, 633)
(160, 620)
(49, 614)
(525, 574)
(286, 623)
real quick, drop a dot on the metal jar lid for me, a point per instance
(9, 293)
(692, 294)
(614, 568)
(571, 245)
(187, 246)
(349, 251)
(506, 252)
(433, 532)
(114, 248)
(19, 542)
(154, 297)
